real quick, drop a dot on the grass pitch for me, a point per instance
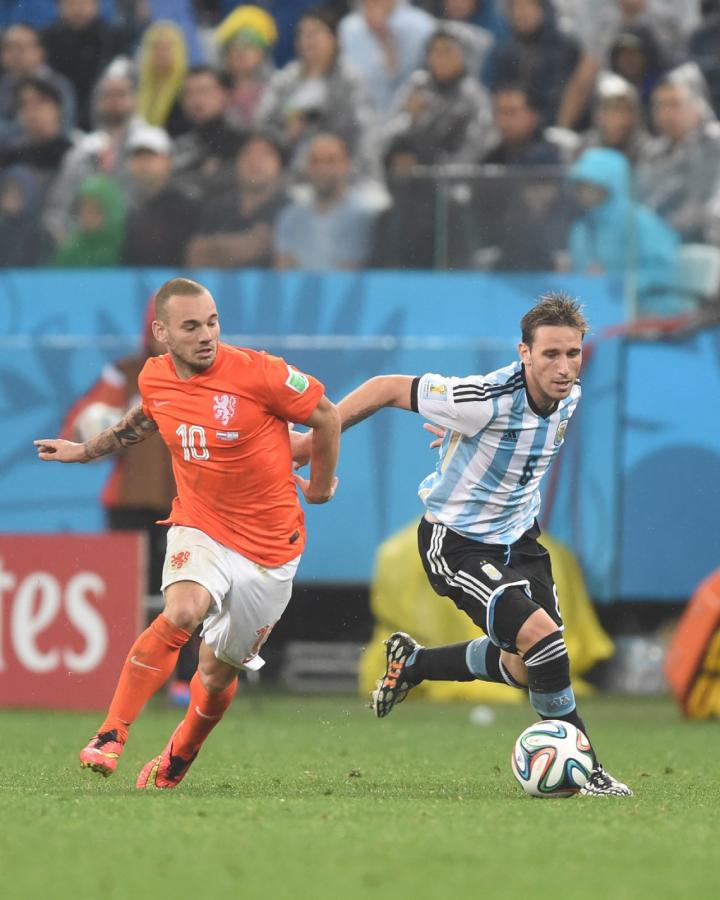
(313, 798)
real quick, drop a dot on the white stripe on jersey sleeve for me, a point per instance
(461, 404)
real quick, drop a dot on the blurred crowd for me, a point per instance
(490, 134)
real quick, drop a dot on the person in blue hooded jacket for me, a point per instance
(617, 236)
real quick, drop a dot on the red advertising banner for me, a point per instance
(70, 607)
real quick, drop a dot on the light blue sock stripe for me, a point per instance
(558, 703)
(411, 659)
(475, 657)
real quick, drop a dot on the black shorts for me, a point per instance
(498, 585)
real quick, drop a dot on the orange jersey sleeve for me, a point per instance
(227, 431)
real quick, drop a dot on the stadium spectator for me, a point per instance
(463, 18)
(442, 109)
(238, 532)
(703, 49)
(523, 216)
(237, 230)
(164, 213)
(537, 55)
(403, 235)
(425, 225)
(42, 142)
(385, 40)
(182, 12)
(598, 26)
(617, 119)
(525, 228)
(22, 55)
(204, 155)
(317, 92)
(103, 150)
(96, 239)
(635, 56)
(245, 39)
(500, 433)
(677, 170)
(616, 236)
(518, 124)
(80, 45)
(484, 14)
(162, 67)
(286, 17)
(331, 229)
(24, 241)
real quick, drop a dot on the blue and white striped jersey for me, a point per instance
(498, 446)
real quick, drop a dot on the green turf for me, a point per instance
(313, 798)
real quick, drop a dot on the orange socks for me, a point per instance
(204, 712)
(149, 664)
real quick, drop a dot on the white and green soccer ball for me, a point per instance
(94, 418)
(552, 759)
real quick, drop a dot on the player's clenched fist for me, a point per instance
(311, 494)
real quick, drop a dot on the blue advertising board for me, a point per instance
(57, 330)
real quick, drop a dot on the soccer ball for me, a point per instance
(94, 418)
(552, 759)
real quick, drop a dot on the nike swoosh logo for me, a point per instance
(136, 662)
(161, 402)
(203, 715)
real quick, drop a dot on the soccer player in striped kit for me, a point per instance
(479, 536)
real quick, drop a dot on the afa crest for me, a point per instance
(492, 573)
(560, 433)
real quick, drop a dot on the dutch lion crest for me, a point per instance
(224, 407)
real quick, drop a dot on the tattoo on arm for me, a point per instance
(135, 427)
(359, 416)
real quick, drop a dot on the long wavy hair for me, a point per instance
(157, 92)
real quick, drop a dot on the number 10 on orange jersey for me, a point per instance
(193, 442)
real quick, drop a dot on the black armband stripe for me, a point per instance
(414, 394)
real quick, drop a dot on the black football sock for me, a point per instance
(446, 663)
(468, 661)
(551, 694)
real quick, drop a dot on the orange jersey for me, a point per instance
(227, 432)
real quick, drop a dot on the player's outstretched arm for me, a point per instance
(134, 427)
(325, 437)
(375, 394)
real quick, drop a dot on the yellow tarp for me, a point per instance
(401, 599)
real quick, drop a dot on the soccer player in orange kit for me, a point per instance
(237, 527)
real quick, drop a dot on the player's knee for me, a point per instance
(186, 607)
(548, 667)
(536, 627)
(183, 616)
(509, 616)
